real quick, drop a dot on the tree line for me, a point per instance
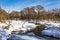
(31, 13)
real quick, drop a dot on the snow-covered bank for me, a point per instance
(3, 34)
(2, 25)
(51, 31)
(46, 22)
(18, 26)
(50, 23)
(23, 26)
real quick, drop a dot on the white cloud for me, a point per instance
(52, 7)
(48, 3)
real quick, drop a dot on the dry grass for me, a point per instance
(6, 27)
(2, 21)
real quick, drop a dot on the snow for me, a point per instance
(3, 34)
(21, 25)
(29, 25)
(18, 25)
(29, 36)
(2, 25)
(50, 23)
(52, 31)
(24, 26)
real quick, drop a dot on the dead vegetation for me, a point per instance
(38, 30)
(36, 12)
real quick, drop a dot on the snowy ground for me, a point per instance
(17, 25)
(24, 26)
(50, 23)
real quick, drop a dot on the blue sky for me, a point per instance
(17, 5)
